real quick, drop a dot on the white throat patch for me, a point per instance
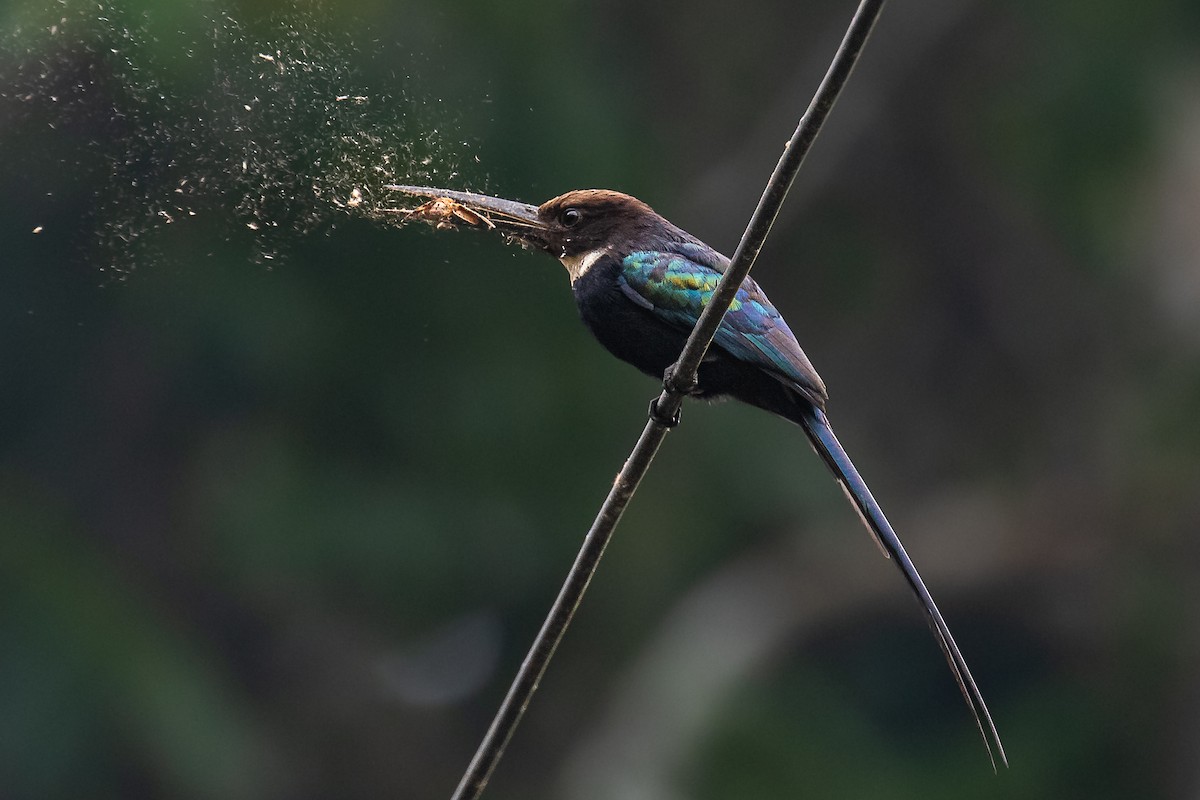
(577, 266)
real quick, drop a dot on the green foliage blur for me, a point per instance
(278, 517)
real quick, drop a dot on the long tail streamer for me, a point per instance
(816, 426)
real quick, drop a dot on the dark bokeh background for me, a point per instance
(283, 529)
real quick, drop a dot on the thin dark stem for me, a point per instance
(538, 658)
(683, 373)
(681, 376)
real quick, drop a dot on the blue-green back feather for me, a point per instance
(677, 285)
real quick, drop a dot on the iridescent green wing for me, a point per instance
(677, 286)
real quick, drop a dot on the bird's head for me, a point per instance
(577, 228)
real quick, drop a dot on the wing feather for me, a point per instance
(677, 286)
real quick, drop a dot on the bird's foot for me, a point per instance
(673, 384)
(661, 418)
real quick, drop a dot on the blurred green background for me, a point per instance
(283, 527)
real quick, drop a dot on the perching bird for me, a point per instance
(640, 283)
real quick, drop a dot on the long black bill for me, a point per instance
(508, 216)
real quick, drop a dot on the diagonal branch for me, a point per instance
(681, 376)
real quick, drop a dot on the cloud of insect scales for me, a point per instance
(261, 137)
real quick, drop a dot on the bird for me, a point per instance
(640, 284)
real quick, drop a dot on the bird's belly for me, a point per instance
(633, 335)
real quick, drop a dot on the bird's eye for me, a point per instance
(570, 217)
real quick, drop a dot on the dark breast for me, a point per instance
(628, 331)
